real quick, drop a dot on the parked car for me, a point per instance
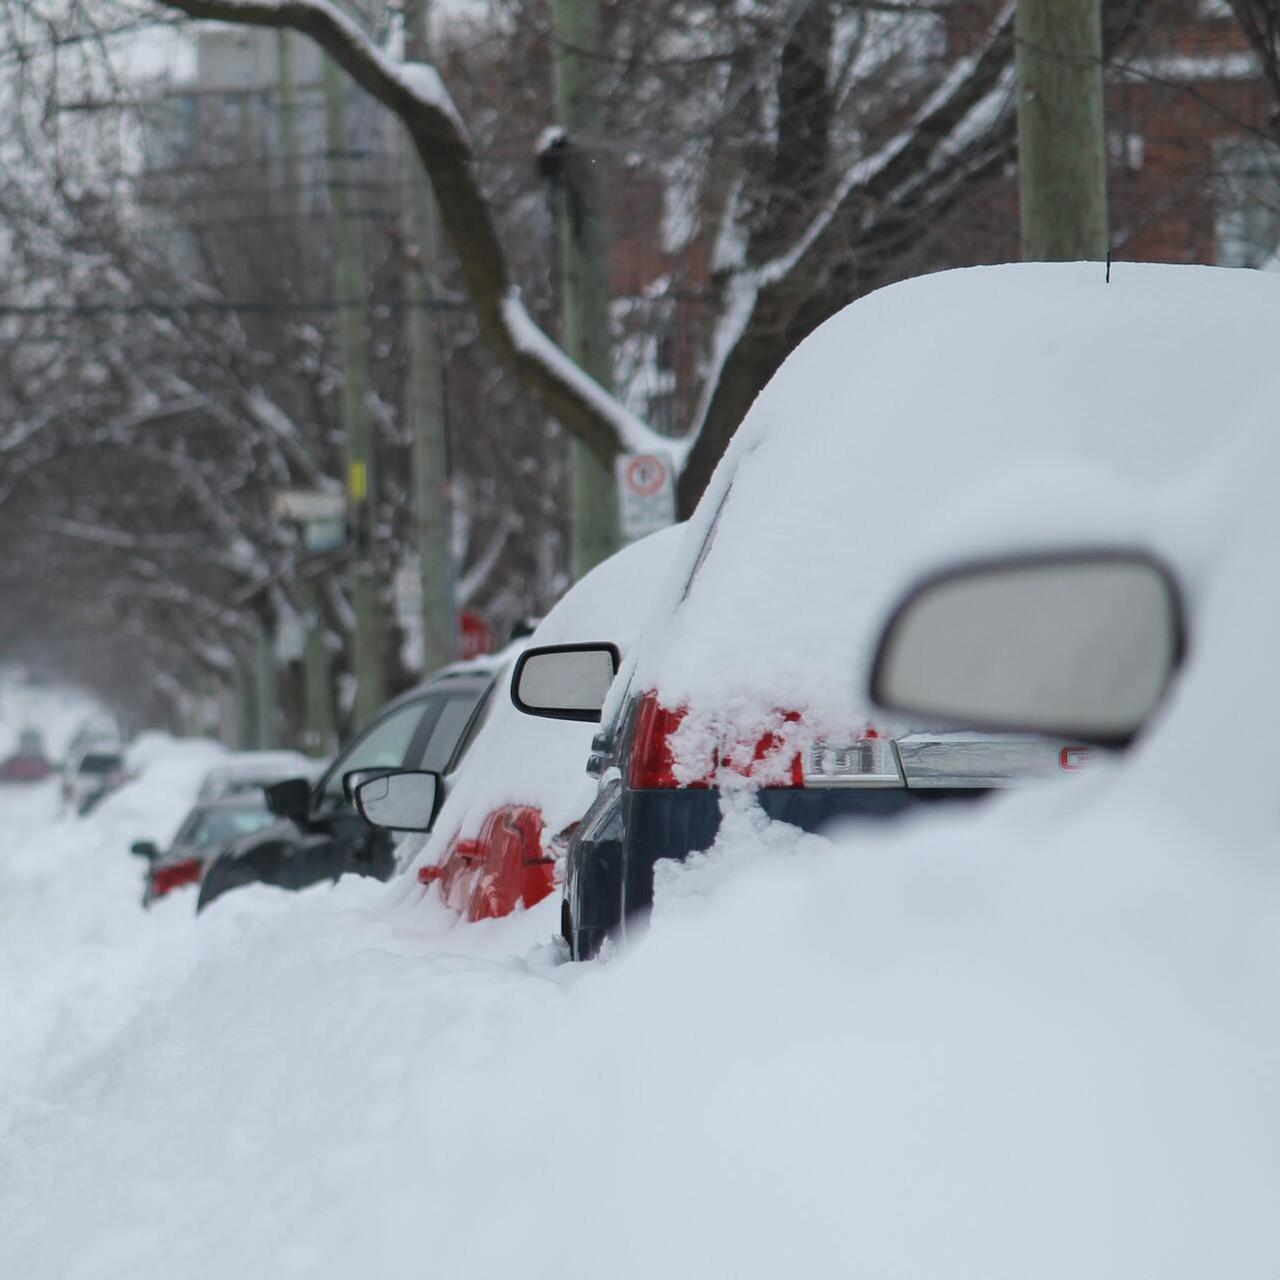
(92, 774)
(317, 834)
(205, 832)
(28, 762)
(247, 771)
(1064, 387)
(500, 838)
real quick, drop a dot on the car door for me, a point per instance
(339, 840)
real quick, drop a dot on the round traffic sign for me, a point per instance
(645, 475)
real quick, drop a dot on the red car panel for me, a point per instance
(499, 869)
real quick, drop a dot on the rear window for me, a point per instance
(226, 825)
(100, 764)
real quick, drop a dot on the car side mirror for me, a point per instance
(565, 681)
(1076, 644)
(404, 801)
(354, 777)
(290, 799)
(145, 849)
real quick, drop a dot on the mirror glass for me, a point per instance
(570, 681)
(1076, 645)
(399, 801)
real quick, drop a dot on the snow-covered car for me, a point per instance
(500, 836)
(27, 762)
(212, 826)
(245, 771)
(1060, 389)
(92, 774)
(318, 835)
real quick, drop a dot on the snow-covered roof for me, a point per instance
(520, 759)
(1010, 401)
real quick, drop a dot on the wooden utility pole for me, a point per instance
(361, 472)
(1062, 150)
(426, 390)
(320, 733)
(584, 257)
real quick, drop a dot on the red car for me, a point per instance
(28, 762)
(499, 839)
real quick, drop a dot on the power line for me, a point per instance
(218, 305)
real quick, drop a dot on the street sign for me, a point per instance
(646, 493)
(307, 505)
(475, 636)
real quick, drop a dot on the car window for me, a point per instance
(100, 764)
(222, 826)
(382, 746)
(445, 733)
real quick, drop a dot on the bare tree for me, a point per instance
(808, 224)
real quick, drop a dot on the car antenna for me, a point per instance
(1108, 264)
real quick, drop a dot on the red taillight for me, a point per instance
(653, 763)
(652, 760)
(174, 875)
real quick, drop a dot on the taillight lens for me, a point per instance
(175, 874)
(653, 760)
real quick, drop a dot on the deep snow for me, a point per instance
(1032, 1038)
(1037, 1038)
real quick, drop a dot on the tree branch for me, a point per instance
(415, 93)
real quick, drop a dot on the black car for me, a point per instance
(211, 827)
(318, 835)
(641, 814)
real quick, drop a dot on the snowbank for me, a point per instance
(1031, 1038)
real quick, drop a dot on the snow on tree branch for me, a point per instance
(417, 95)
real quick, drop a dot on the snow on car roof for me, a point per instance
(253, 763)
(993, 383)
(520, 759)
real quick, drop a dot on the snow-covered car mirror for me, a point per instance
(1074, 644)
(145, 849)
(564, 681)
(400, 801)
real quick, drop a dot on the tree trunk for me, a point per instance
(1062, 156)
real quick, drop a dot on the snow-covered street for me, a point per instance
(1028, 1039)
(638, 639)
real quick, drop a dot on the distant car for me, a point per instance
(742, 688)
(28, 762)
(91, 775)
(247, 771)
(499, 840)
(206, 831)
(318, 835)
